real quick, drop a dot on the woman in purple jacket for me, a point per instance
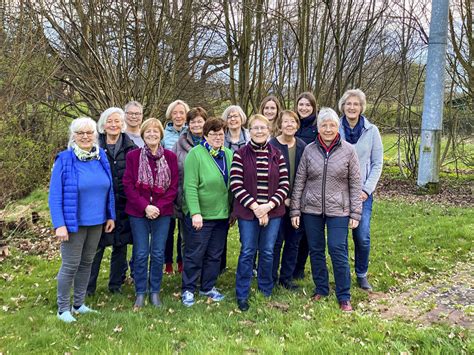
(151, 184)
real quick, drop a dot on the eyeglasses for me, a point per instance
(88, 133)
(259, 128)
(136, 114)
(233, 116)
(216, 135)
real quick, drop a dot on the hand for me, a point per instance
(263, 221)
(62, 234)
(262, 210)
(364, 196)
(152, 212)
(287, 202)
(353, 224)
(109, 225)
(295, 222)
(197, 222)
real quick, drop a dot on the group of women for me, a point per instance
(285, 179)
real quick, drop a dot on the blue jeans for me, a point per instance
(149, 239)
(361, 237)
(202, 253)
(253, 237)
(291, 237)
(337, 229)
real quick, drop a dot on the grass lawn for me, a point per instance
(414, 241)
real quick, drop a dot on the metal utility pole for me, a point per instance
(433, 101)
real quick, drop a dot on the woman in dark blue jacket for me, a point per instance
(307, 109)
(116, 144)
(292, 149)
(81, 201)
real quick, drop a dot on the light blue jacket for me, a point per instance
(369, 149)
(172, 135)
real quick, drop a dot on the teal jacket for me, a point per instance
(205, 192)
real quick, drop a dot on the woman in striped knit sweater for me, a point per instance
(258, 205)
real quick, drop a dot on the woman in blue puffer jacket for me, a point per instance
(81, 201)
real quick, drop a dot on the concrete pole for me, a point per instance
(433, 101)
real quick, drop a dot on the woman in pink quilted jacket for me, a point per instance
(326, 193)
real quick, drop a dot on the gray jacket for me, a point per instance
(328, 185)
(369, 149)
(181, 148)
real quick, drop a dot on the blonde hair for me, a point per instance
(353, 93)
(172, 106)
(260, 118)
(152, 121)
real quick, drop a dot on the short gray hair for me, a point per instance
(234, 108)
(133, 103)
(350, 93)
(172, 105)
(80, 123)
(106, 114)
(327, 114)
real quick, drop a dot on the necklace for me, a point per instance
(218, 167)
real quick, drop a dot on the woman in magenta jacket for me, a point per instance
(150, 184)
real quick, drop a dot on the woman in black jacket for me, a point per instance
(292, 149)
(116, 144)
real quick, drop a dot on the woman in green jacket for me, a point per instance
(206, 210)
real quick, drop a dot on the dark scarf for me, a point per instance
(331, 146)
(352, 135)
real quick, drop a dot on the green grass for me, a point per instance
(447, 169)
(409, 242)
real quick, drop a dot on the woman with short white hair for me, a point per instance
(81, 202)
(326, 193)
(116, 144)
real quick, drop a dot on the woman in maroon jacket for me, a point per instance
(259, 204)
(150, 184)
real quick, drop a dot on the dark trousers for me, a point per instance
(337, 231)
(170, 244)
(118, 268)
(291, 237)
(303, 252)
(203, 250)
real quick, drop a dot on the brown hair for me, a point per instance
(152, 121)
(196, 112)
(270, 98)
(214, 124)
(308, 96)
(279, 119)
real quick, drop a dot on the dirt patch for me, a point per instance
(452, 192)
(448, 298)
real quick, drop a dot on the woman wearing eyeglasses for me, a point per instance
(236, 136)
(206, 209)
(81, 202)
(259, 182)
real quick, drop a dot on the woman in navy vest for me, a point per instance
(292, 148)
(81, 201)
(116, 145)
(259, 204)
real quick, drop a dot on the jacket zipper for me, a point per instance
(324, 183)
